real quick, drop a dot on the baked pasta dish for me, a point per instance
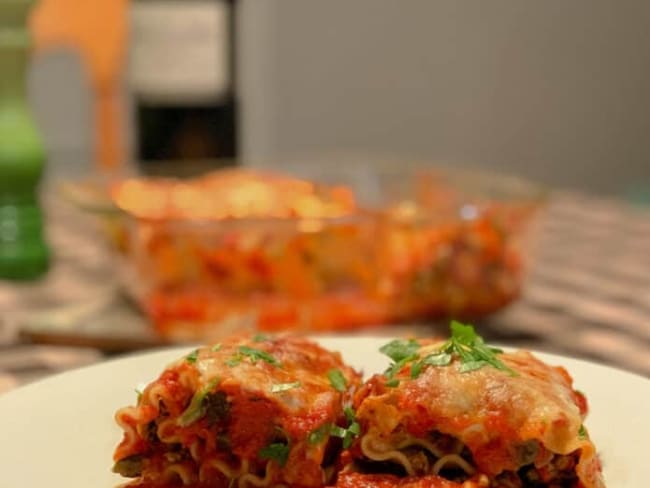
(283, 411)
(247, 412)
(461, 413)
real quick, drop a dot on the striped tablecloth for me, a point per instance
(589, 292)
(588, 295)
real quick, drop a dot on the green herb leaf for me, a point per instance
(337, 431)
(192, 357)
(216, 347)
(234, 361)
(582, 433)
(472, 365)
(196, 408)
(318, 435)
(350, 414)
(435, 359)
(472, 351)
(337, 380)
(354, 428)
(400, 349)
(278, 387)
(464, 343)
(347, 433)
(276, 451)
(395, 368)
(139, 393)
(130, 467)
(464, 334)
(260, 337)
(416, 369)
(257, 354)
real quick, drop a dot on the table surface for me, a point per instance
(588, 295)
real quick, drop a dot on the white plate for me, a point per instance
(60, 432)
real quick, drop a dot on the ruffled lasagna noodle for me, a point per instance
(248, 412)
(447, 426)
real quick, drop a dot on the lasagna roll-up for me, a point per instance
(463, 414)
(247, 412)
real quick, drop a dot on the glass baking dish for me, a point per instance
(356, 248)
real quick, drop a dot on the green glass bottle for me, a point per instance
(23, 251)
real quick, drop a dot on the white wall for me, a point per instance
(61, 99)
(558, 90)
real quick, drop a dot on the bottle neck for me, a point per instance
(14, 48)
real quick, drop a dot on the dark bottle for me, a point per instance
(181, 76)
(23, 252)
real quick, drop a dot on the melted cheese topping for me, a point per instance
(300, 361)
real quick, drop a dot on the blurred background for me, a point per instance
(548, 90)
(497, 151)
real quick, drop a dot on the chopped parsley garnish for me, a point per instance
(196, 409)
(260, 337)
(216, 347)
(464, 343)
(318, 435)
(582, 433)
(471, 349)
(392, 383)
(337, 380)
(192, 357)
(234, 361)
(435, 359)
(350, 432)
(129, 467)
(254, 355)
(257, 354)
(276, 451)
(139, 393)
(278, 387)
(337, 431)
(400, 349)
(347, 434)
(349, 414)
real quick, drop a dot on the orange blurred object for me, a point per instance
(97, 29)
